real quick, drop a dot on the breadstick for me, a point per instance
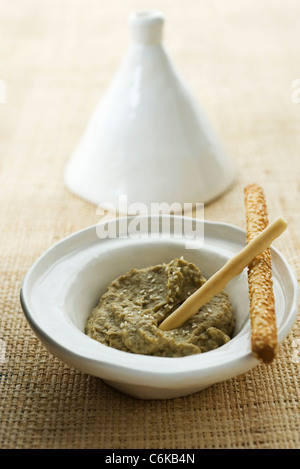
(260, 282)
(219, 280)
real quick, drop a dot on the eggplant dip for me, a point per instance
(129, 313)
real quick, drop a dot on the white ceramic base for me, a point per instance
(148, 393)
(60, 290)
(148, 138)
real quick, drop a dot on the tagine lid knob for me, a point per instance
(147, 27)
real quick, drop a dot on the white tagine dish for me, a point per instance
(66, 282)
(148, 137)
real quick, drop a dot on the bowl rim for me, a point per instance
(134, 366)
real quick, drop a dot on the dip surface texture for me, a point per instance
(130, 311)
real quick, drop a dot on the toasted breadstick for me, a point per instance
(260, 282)
(219, 280)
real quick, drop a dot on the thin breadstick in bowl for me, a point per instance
(260, 281)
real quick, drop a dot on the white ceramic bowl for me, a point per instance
(65, 283)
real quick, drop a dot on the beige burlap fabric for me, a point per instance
(241, 60)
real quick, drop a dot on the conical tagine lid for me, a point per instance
(148, 139)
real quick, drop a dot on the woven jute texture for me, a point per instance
(241, 60)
